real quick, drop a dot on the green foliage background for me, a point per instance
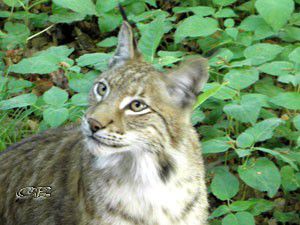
(248, 115)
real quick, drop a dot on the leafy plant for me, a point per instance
(248, 115)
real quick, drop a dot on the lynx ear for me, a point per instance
(187, 81)
(126, 46)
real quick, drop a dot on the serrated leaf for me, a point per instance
(261, 53)
(241, 205)
(282, 156)
(277, 68)
(296, 121)
(43, 62)
(215, 145)
(295, 55)
(97, 60)
(247, 111)
(224, 2)
(55, 96)
(263, 130)
(198, 10)
(289, 179)
(279, 9)
(258, 25)
(108, 42)
(224, 184)
(240, 218)
(208, 93)
(152, 34)
(80, 99)
(195, 26)
(16, 35)
(261, 174)
(245, 140)
(55, 116)
(220, 211)
(289, 100)
(261, 205)
(85, 7)
(241, 78)
(18, 101)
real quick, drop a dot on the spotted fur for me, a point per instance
(120, 166)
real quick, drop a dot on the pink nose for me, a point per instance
(94, 125)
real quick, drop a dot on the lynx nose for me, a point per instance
(94, 125)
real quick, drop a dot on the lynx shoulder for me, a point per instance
(135, 159)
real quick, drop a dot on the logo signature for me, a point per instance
(34, 192)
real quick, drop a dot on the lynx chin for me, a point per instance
(134, 160)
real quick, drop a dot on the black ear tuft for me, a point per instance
(188, 80)
(126, 47)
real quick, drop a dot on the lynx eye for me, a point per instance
(137, 106)
(101, 89)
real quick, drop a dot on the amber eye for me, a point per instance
(137, 106)
(101, 89)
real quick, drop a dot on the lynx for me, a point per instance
(134, 160)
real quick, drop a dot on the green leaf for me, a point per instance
(245, 140)
(247, 111)
(197, 116)
(277, 68)
(109, 21)
(295, 55)
(97, 60)
(261, 53)
(195, 26)
(225, 13)
(221, 57)
(17, 34)
(44, 62)
(242, 152)
(81, 83)
(241, 78)
(261, 174)
(220, 211)
(55, 96)
(241, 206)
(263, 130)
(224, 2)
(224, 184)
(289, 179)
(289, 100)
(282, 156)
(261, 205)
(85, 7)
(152, 34)
(15, 86)
(279, 9)
(257, 25)
(18, 101)
(108, 42)
(80, 99)
(296, 121)
(55, 116)
(215, 145)
(103, 6)
(208, 93)
(15, 3)
(198, 10)
(66, 17)
(241, 218)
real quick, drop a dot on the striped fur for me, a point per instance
(128, 168)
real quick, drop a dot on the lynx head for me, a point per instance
(134, 107)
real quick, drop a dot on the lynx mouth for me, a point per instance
(106, 141)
